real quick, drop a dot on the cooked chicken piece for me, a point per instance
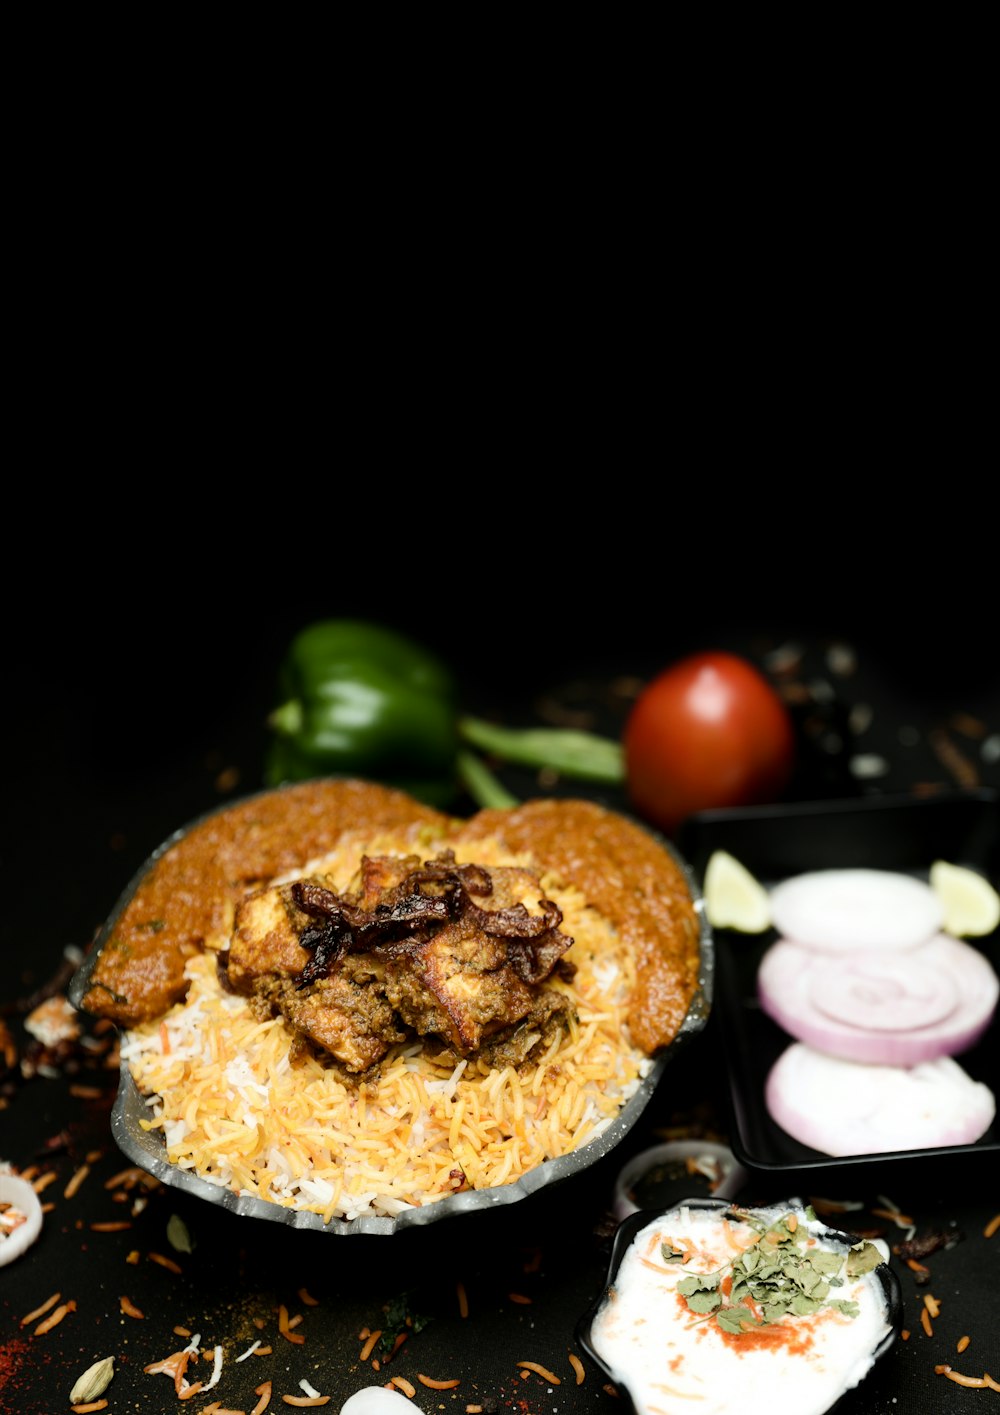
(459, 984)
(549, 1013)
(341, 1015)
(442, 949)
(265, 940)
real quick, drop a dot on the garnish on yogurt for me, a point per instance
(782, 1272)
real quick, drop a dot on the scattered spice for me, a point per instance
(400, 1320)
(923, 1244)
(178, 1236)
(94, 1381)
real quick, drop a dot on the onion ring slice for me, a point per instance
(790, 977)
(846, 1108)
(884, 992)
(839, 911)
(19, 1193)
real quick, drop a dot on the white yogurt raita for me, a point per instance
(671, 1358)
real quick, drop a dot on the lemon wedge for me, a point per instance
(971, 904)
(733, 898)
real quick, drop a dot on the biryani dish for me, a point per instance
(336, 999)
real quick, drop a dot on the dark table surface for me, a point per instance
(145, 732)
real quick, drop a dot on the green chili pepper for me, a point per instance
(362, 700)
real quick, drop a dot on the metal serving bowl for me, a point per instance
(146, 1148)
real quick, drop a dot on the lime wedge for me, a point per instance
(971, 904)
(733, 898)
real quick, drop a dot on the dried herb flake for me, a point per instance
(776, 1276)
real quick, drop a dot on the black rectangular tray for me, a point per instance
(902, 833)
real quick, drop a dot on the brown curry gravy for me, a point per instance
(190, 892)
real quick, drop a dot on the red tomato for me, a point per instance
(708, 731)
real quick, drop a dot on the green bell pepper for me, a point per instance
(362, 700)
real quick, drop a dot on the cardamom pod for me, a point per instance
(94, 1381)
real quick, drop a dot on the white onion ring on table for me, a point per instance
(890, 1009)
(846, 1108)
(841, 910)
(19, 1193)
